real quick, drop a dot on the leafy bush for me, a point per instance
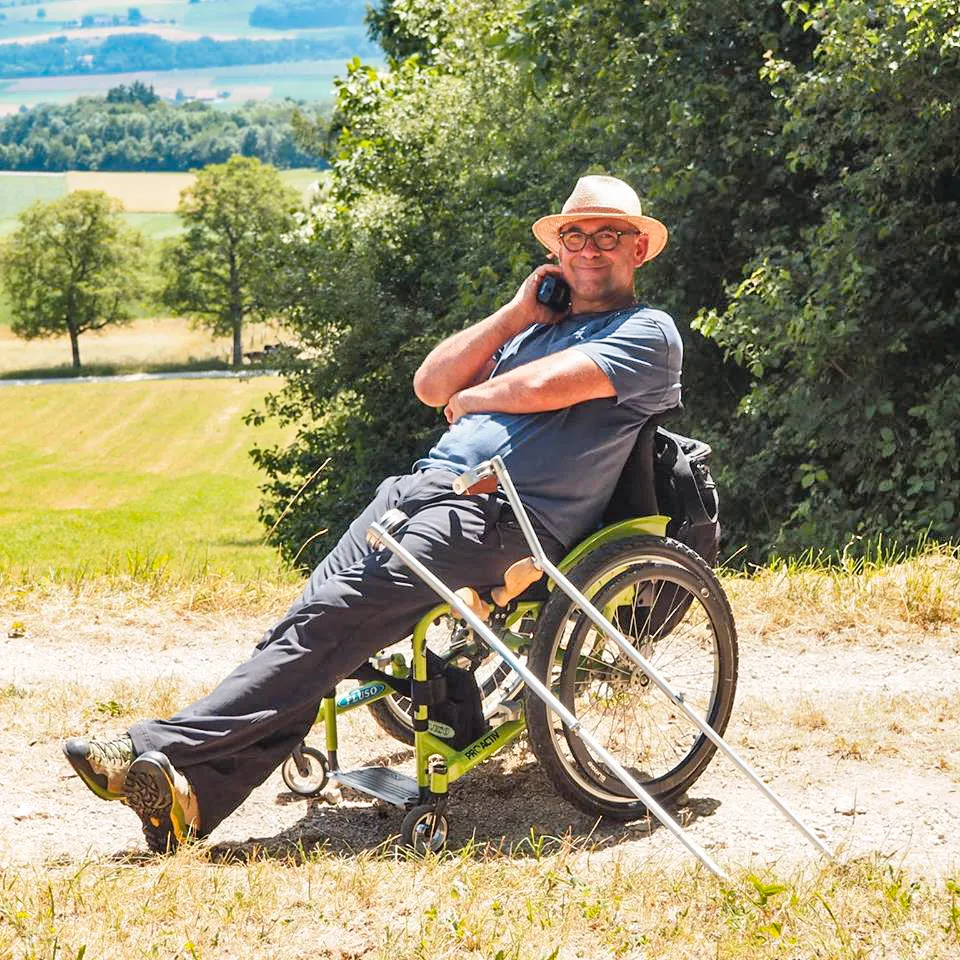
(847, 318)
(806, 162)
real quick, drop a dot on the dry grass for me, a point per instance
(382, 904)
(543, 898)
(120, 593)
(165, 340)
(138, 192)
(921, 591)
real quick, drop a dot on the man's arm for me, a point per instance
(464, 359)
(550, 383)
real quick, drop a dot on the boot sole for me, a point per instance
(96, 782)
(149, 793)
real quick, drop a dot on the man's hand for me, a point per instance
(525, 304)
(454, 410)
(463, 359)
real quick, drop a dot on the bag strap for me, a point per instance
(687, 486)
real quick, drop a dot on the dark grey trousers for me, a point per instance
(355, 602)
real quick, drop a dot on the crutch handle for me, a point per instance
(472, 599)
(517, 578)
(480, 479)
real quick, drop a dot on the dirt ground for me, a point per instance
(855, 728)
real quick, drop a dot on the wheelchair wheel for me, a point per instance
(305, 771)
(453, 642)
(424, 830)
(665, 600)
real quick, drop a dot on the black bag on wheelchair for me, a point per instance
(686, 492)
(458, 717)
(669, 474)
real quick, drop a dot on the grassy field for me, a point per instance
(149, 199)
(316, 880)
(118, 476)
(509, 908)
(18, 190)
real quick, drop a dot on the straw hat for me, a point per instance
(598, 196)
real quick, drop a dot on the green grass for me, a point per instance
(18, 190)
(67, 372)
(155, 226)
(101, 477)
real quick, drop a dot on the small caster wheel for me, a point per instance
(305, 771)
(424, 829)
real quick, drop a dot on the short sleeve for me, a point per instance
(642, 355)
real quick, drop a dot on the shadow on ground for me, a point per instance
(503, 809)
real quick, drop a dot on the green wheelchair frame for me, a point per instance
(613, 582)
(438, 764)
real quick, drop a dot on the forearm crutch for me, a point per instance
(496, 467)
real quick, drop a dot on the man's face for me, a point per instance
(602, 279)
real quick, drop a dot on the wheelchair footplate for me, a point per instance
(385, 784)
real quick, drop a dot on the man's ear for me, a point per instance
(643, 245)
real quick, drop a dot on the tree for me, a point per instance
(847, 317)
(221, 271)
(72, 266)
(484, 120)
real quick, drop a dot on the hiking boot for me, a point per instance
(163, 799)
(101, 764)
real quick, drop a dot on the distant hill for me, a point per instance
(301, 14)
(142, 51)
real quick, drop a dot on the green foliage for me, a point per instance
(847, 317)
(805, 159)
(71, 266)
(131, 129)
(137, 92)
(221, 270)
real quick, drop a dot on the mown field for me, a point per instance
(121, 476)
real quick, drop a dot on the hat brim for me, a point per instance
(547, 229)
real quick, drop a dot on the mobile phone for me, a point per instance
(554, 293)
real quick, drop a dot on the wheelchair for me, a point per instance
(457, 703)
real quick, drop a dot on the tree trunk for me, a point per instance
(75, 347)
(237, 341)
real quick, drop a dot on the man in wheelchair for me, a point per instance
(559, 392)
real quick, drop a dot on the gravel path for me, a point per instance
(857, 733)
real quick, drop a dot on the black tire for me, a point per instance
(393, 717)
(664, 597)
(312, 778)
(424, 830)
(497, 682)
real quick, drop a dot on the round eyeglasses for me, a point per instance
(605, 239)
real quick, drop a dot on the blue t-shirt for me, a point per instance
(565, 463)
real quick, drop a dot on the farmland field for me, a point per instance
(138, 192)
(149, 199)
(298, 80)
(102, 475)
(146, 343)
(17, 190)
